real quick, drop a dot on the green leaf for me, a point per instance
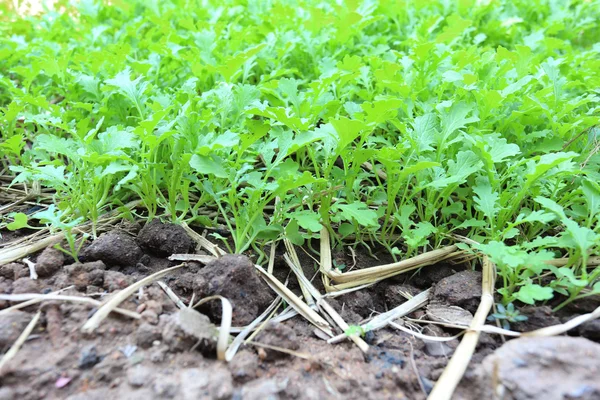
(132, 89)
(456, 118)
(591, 191)
(546, 162)
(424, 131)
(308, 220)
(292, 232)
(19, 221)
(532, 292)
(208, 165)
(486, 200)
(347, 130)
(359, 212)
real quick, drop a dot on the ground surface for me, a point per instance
(154, 358)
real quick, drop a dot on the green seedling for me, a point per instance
(507, 315)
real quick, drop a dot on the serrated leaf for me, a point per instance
(486, 199)
(456, 118)
(532, 292)
(308, 220)
(208, 165)
(359, 212)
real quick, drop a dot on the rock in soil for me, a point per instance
(552, 368)
(11, 326)
(235, 278)
(188, 328)
(88, 357)
(49, 262)
(139, 375)
(114, 248)
(277, 335)
(164, 239)
(146, 334)
(448, 314)
(462, 289)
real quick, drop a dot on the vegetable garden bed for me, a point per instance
(300, 199)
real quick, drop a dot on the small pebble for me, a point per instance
(88, 357)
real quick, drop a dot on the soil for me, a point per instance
(170, 353)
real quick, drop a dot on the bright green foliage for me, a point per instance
(260, 115)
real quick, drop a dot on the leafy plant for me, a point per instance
(507, 315)
(384, 122)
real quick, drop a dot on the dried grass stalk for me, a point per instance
(226, 316)
(387, 270)
(15, 253)
(239, 339)
(32, 243)
(204, 242)
(201, 258)
(171, 294)
(294, 301)
(385, 318)
(292, 260)
(31, 301)
(32, 298)
(454, 371)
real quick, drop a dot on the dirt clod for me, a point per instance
(164, 239)
(462, 289)
(235, 278)
(115, 248)
(394, 294)
(430, 275)
(83, 275)
(146, 334)
(139, 375)
(277, 335)
(244, 365)
(114, 280)
(11, 326)
(360, 302)
(26, 285)
(188, 328)
(215, 383)
(263, 389)
(537, 317)
(49, 262)
(591, 330)
(8, 270)
(549, 368)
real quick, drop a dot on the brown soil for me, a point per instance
(156, 357)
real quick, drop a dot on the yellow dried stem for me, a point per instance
(454, 371)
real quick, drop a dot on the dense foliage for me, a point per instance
(390, 122)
